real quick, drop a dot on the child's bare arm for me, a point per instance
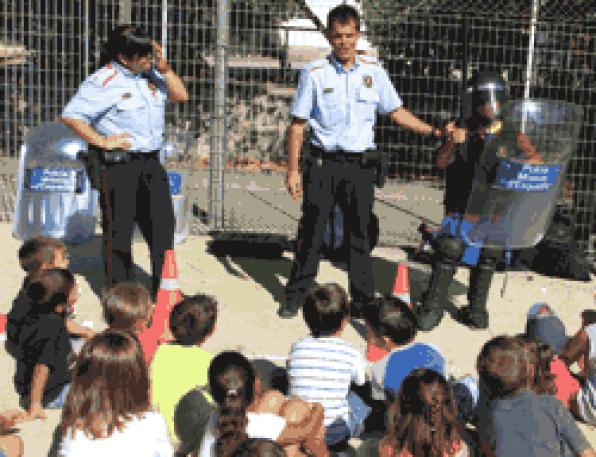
(304, 424)
(575, 347)
(38, 382)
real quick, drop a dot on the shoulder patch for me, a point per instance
(104, 75)
(106, 81)
(368, 61)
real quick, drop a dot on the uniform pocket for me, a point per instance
(129, 104)
(368, 98)
(330, 109)
(129, 109)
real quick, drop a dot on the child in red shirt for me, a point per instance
(545, 328)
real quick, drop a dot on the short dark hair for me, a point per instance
(325, 308)
(125, 304)
(36, 251)
(193, 319)
(128, 40)
(259, 447)
(391, 317)
(505, 365)
(47, 289)
(343, 14)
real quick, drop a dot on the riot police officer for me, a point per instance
(459, 156)
(339, 96)
(120, 111)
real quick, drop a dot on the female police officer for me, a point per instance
(120, 111)
(339, 97)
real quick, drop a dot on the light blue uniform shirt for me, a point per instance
(341, 105)
(115, 100)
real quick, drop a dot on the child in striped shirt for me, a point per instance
(322, 366)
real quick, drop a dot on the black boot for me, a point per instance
(430, 311)
(448, 251)
(475, 314)
(289, 308)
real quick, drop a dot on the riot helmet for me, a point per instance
(484, 97)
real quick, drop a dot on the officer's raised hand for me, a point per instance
(161, 64)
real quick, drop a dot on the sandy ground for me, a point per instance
(247, 290)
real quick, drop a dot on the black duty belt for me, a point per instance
(340, 155)
(124, 156)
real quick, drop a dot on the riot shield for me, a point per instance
(520, 174)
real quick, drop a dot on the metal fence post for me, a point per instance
(125, 14)
(218, 121)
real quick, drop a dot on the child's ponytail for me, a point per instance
(231, 378)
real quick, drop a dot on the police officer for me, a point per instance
(459, 156)
(120, 111)
(339, 96)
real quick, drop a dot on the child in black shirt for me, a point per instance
(36, 254)
(42, 377)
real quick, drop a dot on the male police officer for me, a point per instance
(120, 111)
(460, 156)
(339, 97)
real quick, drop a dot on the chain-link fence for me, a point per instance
(239, 108)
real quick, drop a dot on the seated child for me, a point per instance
(393, 324)
(545, 327)
(10, 445)
(108, 411)
(192, 321)
(518, 420)
(42, 376)
(582, 346)
(241, 414)
(39, 253)
(296, 412)
(321, 367)
(127, 306)
(423, 419)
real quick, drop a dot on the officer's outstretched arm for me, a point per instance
(94, 138)
(403, 117)
(295, 140)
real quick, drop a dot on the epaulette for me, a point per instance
(367, 61)
(105, 74)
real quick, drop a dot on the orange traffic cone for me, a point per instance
(168, 295)
(3, 319)
(374, 353)
(401, 286)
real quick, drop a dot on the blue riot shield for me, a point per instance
(520, 174)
